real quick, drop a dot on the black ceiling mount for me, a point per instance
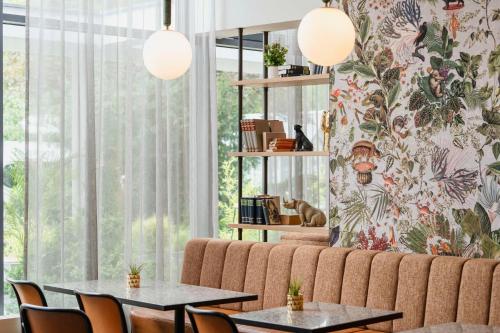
(167, 17)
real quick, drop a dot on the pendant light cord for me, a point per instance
(167, 16)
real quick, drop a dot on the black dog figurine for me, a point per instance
(302, 143)
(459, 2)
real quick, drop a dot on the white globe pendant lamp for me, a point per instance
(167, 53)
(326, 35)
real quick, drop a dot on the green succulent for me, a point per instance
(294, 287)
(134, 269)
(275, 54)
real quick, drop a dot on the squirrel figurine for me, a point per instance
(308, 215)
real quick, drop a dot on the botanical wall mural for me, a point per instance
(415, 113)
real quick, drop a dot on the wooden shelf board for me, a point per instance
(281, 227)
(304, 80)
(281, 153)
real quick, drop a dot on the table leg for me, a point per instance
(179, 320)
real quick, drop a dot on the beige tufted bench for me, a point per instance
(428, 290)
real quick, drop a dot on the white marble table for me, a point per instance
(156, 295)
(456, 328)
(315, 318)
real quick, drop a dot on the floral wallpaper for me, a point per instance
(415, 112)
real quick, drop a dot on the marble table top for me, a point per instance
(316, 317)
(154, 295)
(456, 328)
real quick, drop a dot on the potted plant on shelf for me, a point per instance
(295, 298)
(134, 276)
(274, 56)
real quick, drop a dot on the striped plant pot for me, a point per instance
(295, 303)
(134, 281)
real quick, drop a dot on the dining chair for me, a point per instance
(104, 311)
(40, 319)
(206, 321)
(27, 292)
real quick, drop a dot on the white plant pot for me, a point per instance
(272, 71)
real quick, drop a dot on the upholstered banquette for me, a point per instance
(427, 289)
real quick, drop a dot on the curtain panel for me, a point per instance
(122, 167)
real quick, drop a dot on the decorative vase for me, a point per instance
(272, 71)
(134, 280)
(295, 303)
(364, 178)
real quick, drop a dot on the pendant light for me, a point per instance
(326, 35)
(167, 53)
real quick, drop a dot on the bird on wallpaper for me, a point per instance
(422, 32)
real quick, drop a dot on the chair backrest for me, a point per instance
(28, 292)
(205, 321)
(104, 311)
(38, 319)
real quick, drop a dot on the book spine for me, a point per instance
(254, 137)
(265, 211)
(258, 211)
(253, 217)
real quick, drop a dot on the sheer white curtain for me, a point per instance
(122, 166)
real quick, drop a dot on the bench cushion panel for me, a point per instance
(304, 264)
(411, 294)
(329, 274)
(193, 260)
(356, 277)
(383, 285)
(255, 277)
(495, 298)
(475, 291)
(279, 267)
(235, 267)
(213, 263)
(442, 290)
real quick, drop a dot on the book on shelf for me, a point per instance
(296, 71)
(258, 210)
(253, 129)
(281, 144)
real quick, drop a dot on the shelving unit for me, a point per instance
(278, 154)
(305, 80)
(280, 227)
(265, 83)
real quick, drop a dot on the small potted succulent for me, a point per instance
(274, 56)
(295, 298)
(134, 276)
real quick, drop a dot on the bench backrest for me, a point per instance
(427, 289)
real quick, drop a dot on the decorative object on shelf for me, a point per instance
(281, 145)
(271, 205)
(326, 126)
(167, 53)
(268, 137)
(274, 56)
(309, 216)
(293, 70)
(363, 155)
(326, 35)
(295, 298)
(134, 275)
(290, 219)
(302, 143)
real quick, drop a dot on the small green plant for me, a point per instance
(275, 54)
(294, 287)
(134, 269)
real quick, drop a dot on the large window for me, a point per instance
(14, 97)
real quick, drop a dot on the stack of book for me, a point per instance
(253, 129)
(293, 70)
(282, 144)
(255, 210)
